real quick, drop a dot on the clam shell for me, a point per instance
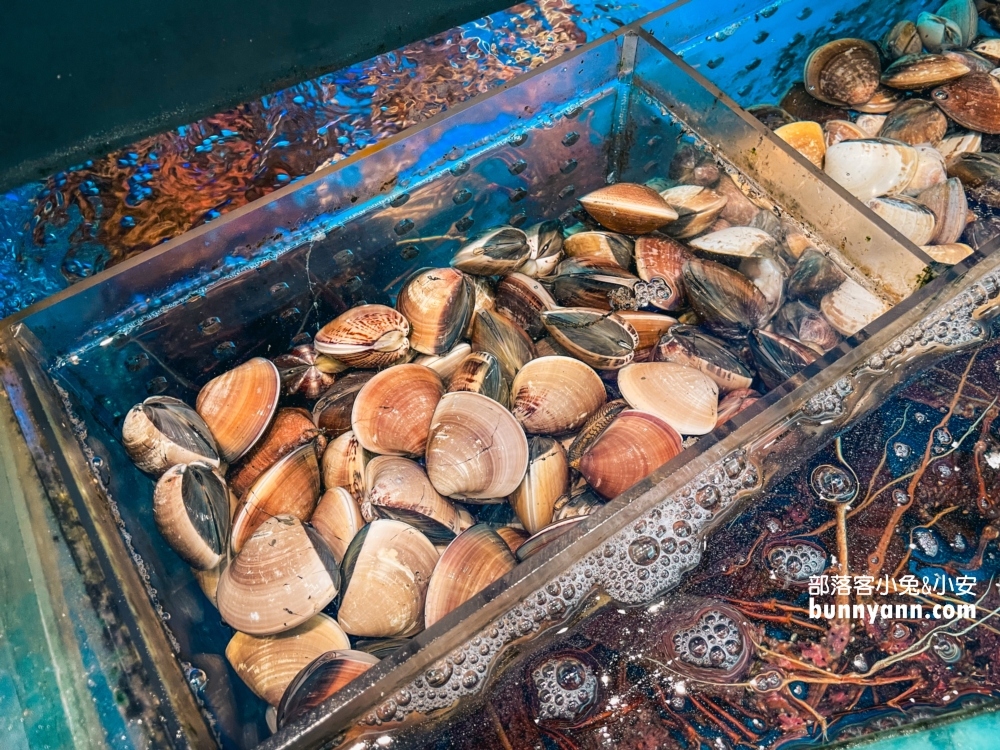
(284, 575)
(476, 558)
(807, 138)
(289, 487)
(385, 572)
(949, 254)
(648, 326)
(392, 412)
(989, 48)
(691, 347)
(238, 405)
(398, 488)
(813, 276)
(961, 142)
(632, 447)
(931, 170)
(337, 519)
(544, 538)
(598, 338)
(739, 209)
(683, 397)
(693, 165)
(438, 303)
(521, 299)
(593, 429)
(290, 429)
(777, 357)
(343, 465)
(844, 72)
(628, 208)
(480, 373)
(581, 503)
(208, 580)
(163, 431)
(974, 61)
(332, 413)
(446, 364)
(545, 248)
(963, 14)
(553, 395)
(268, 664)
(938, 33)
(975, 169)
(476, 448)
(663, 257)
(726, 301)
(850, 307)
(902, 39)
(512, 536)
(588, 282)
(770, 115)
(697, 209)
(802, 105)
(883, 100)
(915, 121)
(734, 242)
(305, 372)
(806, 324)
(191, 511)
(768, 273)
(836, 131)
(320, 679)
(948, 203)
(497, 334)
(972, 101)
(485, 300)
(916, 72)
(870, 124)
(497, 250)
(366, 336)
(911, 219)
(734, 402)
(606, 247)
(546, 480)
(870, 168)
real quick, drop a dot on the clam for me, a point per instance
(267, 664)
(191, 510)
(770, 115)
(598, 338)
(546, 480)
(915, 121)
(805, 137)
(238, 405)
(208, 580)
(693, 165)
(802, 105)
(850, 307)
(163, 431)
(948, 203)
(476, 448)
(960, 142)
(544, 538)
(767, 220)
(480, 373)
(683, 397)
(592, 283)
(975, 169)
(549, 347)
(902, 39)
(768, 273)
(813, 276)
(662, 257)
(385, 574)
(343, 465)
(305, 372)
(367, 336)
(593, 429)
(332, 413)
(844, 72)
(909, 218)
(475, 559)
(981, 231)
(495, 251)
(578, 505)
(836, 131)
(513, 537)
(804, 322)
(870, 168)
(697, 209)
(290, 429)
(392, 412)
(631, 448)
(692, 347)
(521, 299)
(628, 208)
(734, 402)
(497, 334)
(606, 247)
(884, 100)
(649, 327)
(446, 364)
(739, 209)
(778, 357)
(972, 101)
(734, 242)
(989, 48)
(916, 72)
(974, 61)
(438, 304)
(963, 14)
(337, 519)
(398, 488)
(931, 170)
(290, 487)
(870, 124)
(554, 395)
(949, 254)
(284, 575)
(545, 246)
(938, 33)
(320, 679)
(726, 301)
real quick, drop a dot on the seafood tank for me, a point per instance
(544, 421)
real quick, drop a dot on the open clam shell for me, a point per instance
(495, 251)
(546, 480)
(554, 395)
(480, 373)
(475, 559)
(768, 273)
(163, 431)
(683, 397)
(385, 574)
(268, 664)
(446, 364)
(522, 299)
(973, 101)
(366, 336)
(850, 307)
(598, 338)
(320, 679)
(734, 402)
(813, 276)
(495, 333)
(631, 448)
(726, 301)
(697, 209)
(332, 413)
(591, 283)
(392, 412)
(871, 168)
(911, 219)
(692, 347)
(938, 33)
(735, 242)
(343, 465)
(238, 405)
(649, 326)
(807, 138)
(628, 208)
(191, 511)
(284, 575)
(545, 246)
(476, 449)
(804, 322)
(662, 257)
(917, 72)
(902, 39)
(438, 304)
(915, 121)
(398, 488)
(337, 518)
(693, 165)
(606, 247)
(290, 429)
(305, 372)
(778, 357)
(290, 486)
(844, 72)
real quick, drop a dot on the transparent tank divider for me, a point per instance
(626, 557)
(876, 254)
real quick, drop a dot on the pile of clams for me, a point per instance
(908, 124)
(497, 403)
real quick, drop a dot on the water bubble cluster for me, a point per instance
(714, 641)
(797, 563)
(566, 688)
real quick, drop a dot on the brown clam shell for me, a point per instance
(546, 480)
(593, 429)
(332, 413)
(238, 405)
(399, 488)
(320, 679)
(632, 447)
(902, 39)
(802, 105)
(546, 537)
(438, 303)
(734, 402)
(191, 511)
(343, 465)
(883, 100)
(697, 209)
(290, 486)
(521, 299)
(305, 372)
(268, 664)
(948, 202)
(474, 559)
(915, 121)
(512, 536)
(681, 396)
(726, 301)
(365, 336)
(973, 101)
(495, 333)
(916, 72)
(393, 410)
(739, 209)
(601, 339)
(844, 72)
(445, 364)
(284, 575)
(949, 254)
(606, 247)
(290, 429)
(648, 326)
(553, 395)
(163, 431)
(480, 373)
(628, 208)
(337, 519)
(662, 257)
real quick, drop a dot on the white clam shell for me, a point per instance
(850, 307)
(740, 242)
(683, 397)
(913, 220)
(869, 169)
